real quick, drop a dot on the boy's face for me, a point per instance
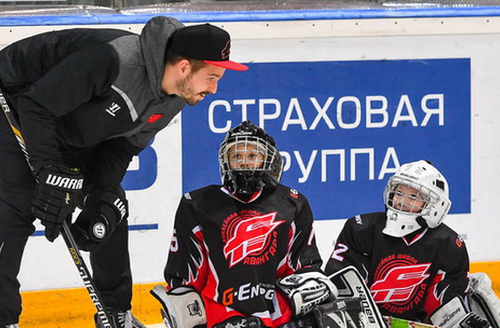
(245, 156)
(408, 199)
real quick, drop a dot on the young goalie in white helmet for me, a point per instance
(416, 197)
(411, 261)
(416, 266)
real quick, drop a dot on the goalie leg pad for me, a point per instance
(307, 321)
(307, 289)
(342, 313)
(182, 307)
(351, 284)
(483, 299)
(240, 322)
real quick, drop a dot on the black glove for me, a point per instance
(53, 199)
(102, 212)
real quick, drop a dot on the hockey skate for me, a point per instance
(120, 320)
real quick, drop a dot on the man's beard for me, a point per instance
(187, 92)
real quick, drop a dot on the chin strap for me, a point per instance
(421, 221)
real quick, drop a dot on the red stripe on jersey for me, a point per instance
(198, 278)
(433, 300)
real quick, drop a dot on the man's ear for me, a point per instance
(183, 67)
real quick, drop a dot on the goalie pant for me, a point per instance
(66, 89)
(409, 277)
(233, 252)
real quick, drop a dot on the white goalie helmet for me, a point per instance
(416, 192)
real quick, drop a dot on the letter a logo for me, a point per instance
(399, 283)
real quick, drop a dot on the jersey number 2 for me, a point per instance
(339, 249)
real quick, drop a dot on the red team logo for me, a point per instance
(250, 236)
(400, 283)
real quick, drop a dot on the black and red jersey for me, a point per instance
(233, 252)
(409, 277)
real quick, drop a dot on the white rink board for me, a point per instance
(48, 266)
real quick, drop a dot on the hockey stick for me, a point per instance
(66, 232)
(393, 322)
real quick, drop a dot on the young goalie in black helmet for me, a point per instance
(245, 250)
(249, 160)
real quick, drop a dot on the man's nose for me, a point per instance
(212, 88)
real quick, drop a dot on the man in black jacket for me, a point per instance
(87, 101)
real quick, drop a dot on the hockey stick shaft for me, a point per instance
(393, 322)
(66, 232)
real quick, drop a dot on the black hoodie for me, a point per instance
(96, 89)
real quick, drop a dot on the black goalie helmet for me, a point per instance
(249, 160)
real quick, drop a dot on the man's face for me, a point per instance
(195, 86)
(245, 156)
(408, 199)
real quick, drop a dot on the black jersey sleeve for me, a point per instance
(452, 278)
(352, 247)
(304, 253)
(187, 259)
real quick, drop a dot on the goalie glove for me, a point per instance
(449, 314)
(305, 290)
(473, 320)
(454, 315)
(182, 307)
(482, 298)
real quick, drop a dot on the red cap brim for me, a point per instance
(228, 64)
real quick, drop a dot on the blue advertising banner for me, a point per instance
(343, 127)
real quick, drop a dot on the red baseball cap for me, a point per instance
(205, 42)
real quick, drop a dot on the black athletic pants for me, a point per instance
(110, 263)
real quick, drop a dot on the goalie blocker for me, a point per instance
(483, 303)
(454, 315)
(482, 298)
(182, 307)
(306, 290)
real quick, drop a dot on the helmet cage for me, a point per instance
(249, 163)
(431, 187)
(408, 203)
